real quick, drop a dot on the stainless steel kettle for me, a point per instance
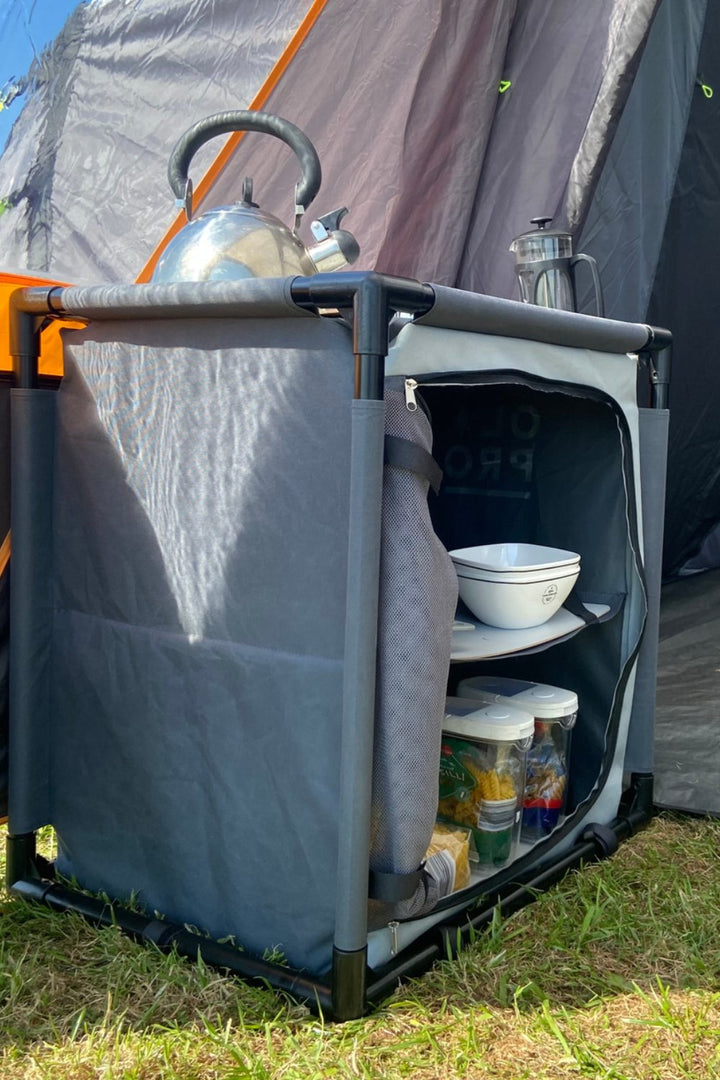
(240, 240)
(545, 268)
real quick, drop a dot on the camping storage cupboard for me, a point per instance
(232, 605)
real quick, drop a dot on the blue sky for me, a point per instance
(26, 26)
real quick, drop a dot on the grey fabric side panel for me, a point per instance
(201, 522)
(653, 456)
(366, 477)
(254, 298)
(459, 310)
(31, 612)
(202, 777)
(633, 194)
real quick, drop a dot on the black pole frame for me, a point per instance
(350, 987)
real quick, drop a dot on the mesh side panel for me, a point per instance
(418, 596)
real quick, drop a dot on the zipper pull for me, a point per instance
(410, 399)
(393, 928)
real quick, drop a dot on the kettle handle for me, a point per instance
(244, 120)
(599, 301)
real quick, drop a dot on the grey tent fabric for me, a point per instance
(564, 60)
(458, 169)
(687, 743)
(84, 171)
(625, 222)
(685, 292)
(401, 137)
(439, 170)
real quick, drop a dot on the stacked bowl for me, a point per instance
(514, 586)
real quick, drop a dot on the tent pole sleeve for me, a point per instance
(371, 304)
(358, 716)
(456, 309)
(32, 441)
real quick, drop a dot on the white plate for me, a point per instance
(518, 557)
(484, 642)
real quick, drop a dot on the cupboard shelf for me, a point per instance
(488, 642)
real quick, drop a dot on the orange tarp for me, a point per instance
(50, 344)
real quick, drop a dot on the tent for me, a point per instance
(437, 190)
(444, 128)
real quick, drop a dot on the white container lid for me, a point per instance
(496, 722)
(544, 702)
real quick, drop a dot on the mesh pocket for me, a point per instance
(418, 597)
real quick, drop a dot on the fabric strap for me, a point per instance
(392, 888)
(574, 605)
(404, 454)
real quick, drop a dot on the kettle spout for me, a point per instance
(336, 247)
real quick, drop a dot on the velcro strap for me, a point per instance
(404, 454)
(392, 888)
(576, 607)
(160, 933)
(604, 837)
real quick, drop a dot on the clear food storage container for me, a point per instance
(555, 712)
(482, 774)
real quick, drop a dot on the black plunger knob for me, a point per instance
(541, 222)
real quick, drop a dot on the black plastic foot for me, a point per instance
(21, 853)
(349, 975)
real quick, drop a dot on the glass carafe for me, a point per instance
(544, 264)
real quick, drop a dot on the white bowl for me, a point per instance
(515, 605)
(519, 577)
(517, 557)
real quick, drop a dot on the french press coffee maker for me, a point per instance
(545, 268)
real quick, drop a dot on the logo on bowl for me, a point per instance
(550, 593)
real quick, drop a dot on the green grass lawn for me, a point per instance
(614, 973)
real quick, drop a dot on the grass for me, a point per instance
(613, 974)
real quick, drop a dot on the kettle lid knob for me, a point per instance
(541, 222)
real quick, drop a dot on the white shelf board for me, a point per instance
(485, 642)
